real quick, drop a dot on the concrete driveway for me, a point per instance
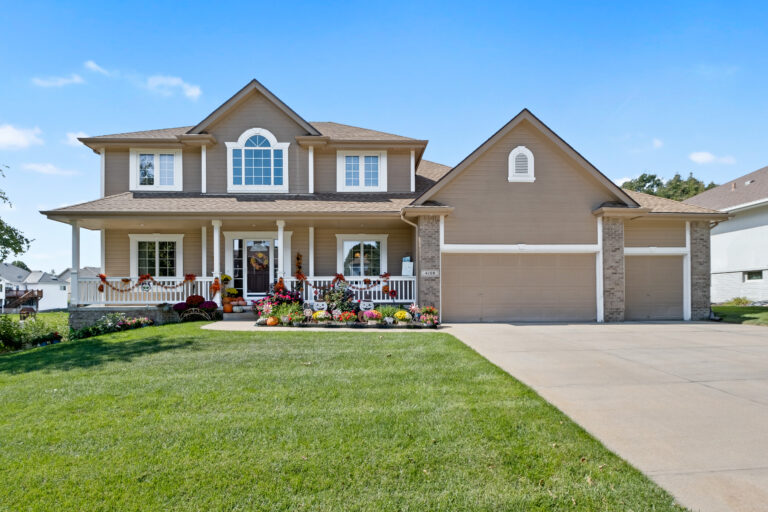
(686, 403)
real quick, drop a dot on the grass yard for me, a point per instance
(742, 314)
(177, 418)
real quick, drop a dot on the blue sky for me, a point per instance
(648, 86)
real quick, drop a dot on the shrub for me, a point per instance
(209, 306)
(738, 301)
(339, 297)
(112, 322)
(388, 311)
(179, 307)
(194, 301)
(10, 333)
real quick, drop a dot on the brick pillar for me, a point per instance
(700, 271)
(429, 259)
(613, 269)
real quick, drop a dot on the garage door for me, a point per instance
(654, 287)
(518, 287)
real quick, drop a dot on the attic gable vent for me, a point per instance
(520, 166)
(749, 182)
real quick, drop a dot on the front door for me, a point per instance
(258, 266)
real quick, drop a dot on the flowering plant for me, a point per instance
(180, 306)
(347, 316)
(402, 316)
(428, 319)
(194, 301)
(267, 304)
(429, 310)
(372, 315)
(321, 316)
(231, 292)
(226, 278)
(209, 305)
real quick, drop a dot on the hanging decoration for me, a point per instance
(145, 279)
(368, 284)
(216, 286)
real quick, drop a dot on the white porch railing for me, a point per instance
(146, 293)
(404, 287)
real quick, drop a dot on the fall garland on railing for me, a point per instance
(368, 284)
(188, 278)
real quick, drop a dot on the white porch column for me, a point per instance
(203, 179)
(73, 287)
(311, 167)
(103, 237)
(687, 273)
(413, 170)
(311, 251)
(280, 251)
(216, 255)
(204, 255)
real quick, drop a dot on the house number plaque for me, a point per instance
(430, 273)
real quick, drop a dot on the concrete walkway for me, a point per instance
(686, 403)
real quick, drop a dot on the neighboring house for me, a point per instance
(55, 291)
(524, 228)
(740, 244)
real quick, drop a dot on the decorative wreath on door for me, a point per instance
(259, 261)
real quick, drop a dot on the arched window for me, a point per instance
(521, 165)
(257, 163)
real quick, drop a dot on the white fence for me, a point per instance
(404, 288)
(166, 290)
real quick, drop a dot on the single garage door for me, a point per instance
(518, 287)
(654, 287)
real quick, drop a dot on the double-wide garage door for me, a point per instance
(518, 287)
(654, 287)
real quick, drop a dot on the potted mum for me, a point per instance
(321, 317)
(402, 317)
(373, 317)
(348, 317)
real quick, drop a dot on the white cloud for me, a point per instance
(89, 64)
(48, 169)
(657, 143)
(58, 81)
(167, 85)
(621, 181)
(17, 138)
(705, 157)
(72, 137)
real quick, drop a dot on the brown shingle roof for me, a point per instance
(663, 205)
(137, 203)
(347, 132)
(163, 133)
(735, 192)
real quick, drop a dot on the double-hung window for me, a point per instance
(257, 162)
(361, 255)
(361, 171)
(156, 255)
(155, 169)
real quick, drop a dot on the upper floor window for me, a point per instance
(521, 165)
(361, 171)
(155, 169)
(257, 163)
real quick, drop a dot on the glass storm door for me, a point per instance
(258, 266)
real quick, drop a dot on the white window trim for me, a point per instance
(745, 279)
(511, 176)
(240, 144)
(156, 237)
(178, 174)
(341, 181)
(341, 238)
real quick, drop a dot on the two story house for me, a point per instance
(523, 229)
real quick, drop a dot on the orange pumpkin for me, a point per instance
(272, 321)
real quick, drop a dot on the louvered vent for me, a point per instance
(521, 164)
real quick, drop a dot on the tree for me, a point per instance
(20, 264)
(12, 241)
(675, 188)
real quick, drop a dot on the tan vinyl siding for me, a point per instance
(116, 172)
(654, 287)
(398, 170)
(654, 233)
(518, 287)
(118, 253)
(555, 209)
(256, 111)
(191, 168)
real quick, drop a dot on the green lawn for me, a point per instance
(742, 314)
(177, 418)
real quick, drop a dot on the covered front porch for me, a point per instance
(149, 261)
